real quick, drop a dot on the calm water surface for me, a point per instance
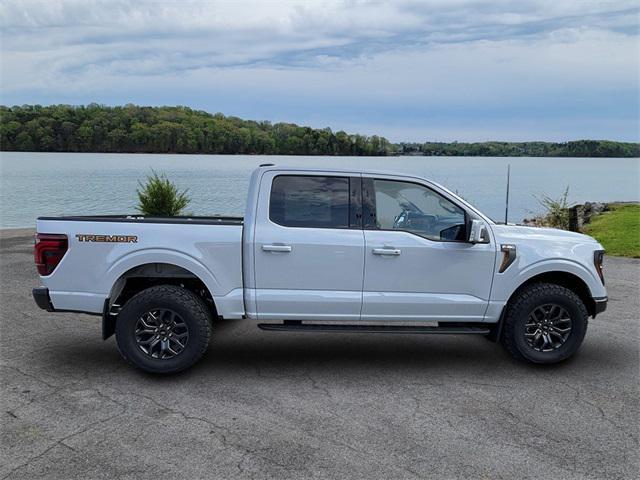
(37, 184)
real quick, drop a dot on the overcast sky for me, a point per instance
(408, 70)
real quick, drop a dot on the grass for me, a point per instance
(618, 230)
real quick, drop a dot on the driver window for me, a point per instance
(417, 209)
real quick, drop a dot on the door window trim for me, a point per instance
(369, 209)
(355, 201)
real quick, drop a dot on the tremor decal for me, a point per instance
(83, 237)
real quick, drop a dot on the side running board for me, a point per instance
(295, 326)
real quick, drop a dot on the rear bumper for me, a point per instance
(601, 304)
(43, 300)
(41, 296)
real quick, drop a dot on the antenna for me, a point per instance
(506, 208)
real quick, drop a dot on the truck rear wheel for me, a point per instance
(163, 329)
(546, 323)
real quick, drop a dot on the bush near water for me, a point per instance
(159, 197)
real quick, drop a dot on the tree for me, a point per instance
(159, 197)
(131, 128)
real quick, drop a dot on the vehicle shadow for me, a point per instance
(242, 349)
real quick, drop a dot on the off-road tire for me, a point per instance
(525, 303)
(189, 306)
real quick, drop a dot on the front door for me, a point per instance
(309, 249)
(418, 265)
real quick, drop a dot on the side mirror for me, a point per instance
(478, 232)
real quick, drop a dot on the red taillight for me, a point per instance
(49, 250)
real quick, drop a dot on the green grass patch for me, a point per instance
(618, 230)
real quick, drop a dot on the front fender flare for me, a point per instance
(556, 265)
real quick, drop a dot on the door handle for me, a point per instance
(276, 248)
(387, 251)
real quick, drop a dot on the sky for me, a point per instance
(431, 70)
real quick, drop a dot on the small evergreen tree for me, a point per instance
(159, 197)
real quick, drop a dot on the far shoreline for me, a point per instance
(515, 157)
(180, 129)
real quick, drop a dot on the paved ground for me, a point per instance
(305, 405)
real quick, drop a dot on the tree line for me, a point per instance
(578, 148)
(136, 129)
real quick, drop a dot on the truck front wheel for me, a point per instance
(163, 329)
(545, 323)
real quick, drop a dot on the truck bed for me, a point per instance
(102, 249)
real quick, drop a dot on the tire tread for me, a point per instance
(518, 305)
(189, 300)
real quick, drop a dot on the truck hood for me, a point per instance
(513, 233)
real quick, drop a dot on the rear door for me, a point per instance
(418, 264)
(309, 247)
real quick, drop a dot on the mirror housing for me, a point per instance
(478, 233)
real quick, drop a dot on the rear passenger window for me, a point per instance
(310, 201)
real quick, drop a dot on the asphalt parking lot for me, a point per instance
(313, 405)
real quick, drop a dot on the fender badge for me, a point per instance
(83, 237)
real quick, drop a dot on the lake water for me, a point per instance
(40, 184)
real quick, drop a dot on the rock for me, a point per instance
(579, 215)
(537, 221)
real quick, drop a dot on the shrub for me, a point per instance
(160, 197)
(557, 210)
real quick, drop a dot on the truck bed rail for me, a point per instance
(212, 220)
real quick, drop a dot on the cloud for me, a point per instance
(451, 67)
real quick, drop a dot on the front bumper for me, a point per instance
(601, 305)
(41, 296)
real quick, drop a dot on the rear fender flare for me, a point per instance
(154, 255)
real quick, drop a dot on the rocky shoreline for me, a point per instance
(579, 215)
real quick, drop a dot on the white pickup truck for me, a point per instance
(323, 250)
